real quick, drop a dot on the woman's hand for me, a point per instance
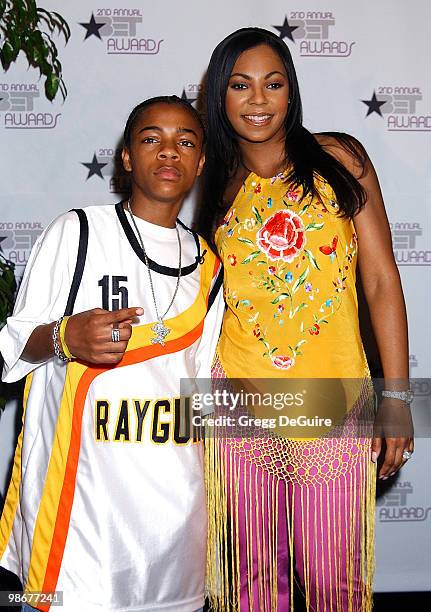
(394, 423)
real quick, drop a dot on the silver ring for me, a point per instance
(115, 334)
(407, 455)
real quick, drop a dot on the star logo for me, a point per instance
(374, 105)
(185, 97)
(286, 30)
(94, 167)
(2, 238)
(92, 28)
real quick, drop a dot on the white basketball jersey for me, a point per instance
(106, 501)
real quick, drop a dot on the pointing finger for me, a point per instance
(123, 314)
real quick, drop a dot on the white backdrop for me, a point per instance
(362, 69)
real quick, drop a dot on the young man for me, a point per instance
(106, 502)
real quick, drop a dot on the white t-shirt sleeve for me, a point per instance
(43, 293)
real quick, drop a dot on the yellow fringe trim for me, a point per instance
(231, 470)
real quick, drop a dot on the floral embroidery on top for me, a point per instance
(282, 236)
(286, 264)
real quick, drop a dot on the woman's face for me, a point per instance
(257, 96)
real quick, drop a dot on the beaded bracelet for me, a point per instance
(55, 341)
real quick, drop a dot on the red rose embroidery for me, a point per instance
(232, 259)
(282, 236)
(283, 362)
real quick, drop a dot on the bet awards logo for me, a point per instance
(406, 238)
(20, 107)
(394, 508)
(313, 30)
(118, 28)
(108, 163)
(16, 241)
(191, 92)
(399, 107)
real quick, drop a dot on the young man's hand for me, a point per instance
(89, 334)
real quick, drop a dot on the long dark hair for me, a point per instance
(223, 154)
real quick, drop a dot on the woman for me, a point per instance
(290, 213)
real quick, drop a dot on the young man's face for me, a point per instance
(165, 154)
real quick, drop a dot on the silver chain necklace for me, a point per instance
(158, 328)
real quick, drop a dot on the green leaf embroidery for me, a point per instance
(265, 343)
(314, 226)
(257, 215)
(300, 281)
(312, 259)
(280, 297)
(293, 312)
(246, 241)
(251, 257)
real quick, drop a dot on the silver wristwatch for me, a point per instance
(405, 396)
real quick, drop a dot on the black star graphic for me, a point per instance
(186, 98)
(94, 167)
(374, 105)
(286, 30)
(92, 28)
(1, 240)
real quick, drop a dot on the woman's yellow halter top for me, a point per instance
(289, 278)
